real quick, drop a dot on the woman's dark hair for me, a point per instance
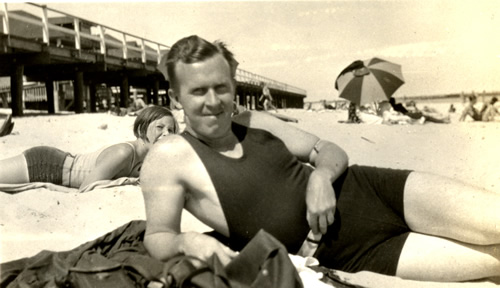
(147, 116)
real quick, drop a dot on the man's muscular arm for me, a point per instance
(329, 159)
(163, 183)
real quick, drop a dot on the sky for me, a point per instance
(443, 46)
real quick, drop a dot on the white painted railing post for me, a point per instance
(124, 46)
(158, 52)
(5, 19)
(45, 27)
(143, 52)
(78, 44)
(101, 36)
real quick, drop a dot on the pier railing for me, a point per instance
(108, 39)
(254, 79)
(57, 28)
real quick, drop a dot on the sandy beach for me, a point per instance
(41, 219)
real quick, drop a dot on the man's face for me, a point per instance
(205, 92)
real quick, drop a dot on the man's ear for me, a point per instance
(174, 98)
(235, 85)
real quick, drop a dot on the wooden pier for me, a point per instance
(56, 47)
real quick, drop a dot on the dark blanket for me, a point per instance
(114, 255)
(119, 259)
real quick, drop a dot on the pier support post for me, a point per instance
(49, 90)
(92, 97)
(79, 92)
(254, 102)
(124, 92)
(148, 98)
(248, 100)
(16, 90)
(156, 87)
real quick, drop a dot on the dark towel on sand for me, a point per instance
(119, 259)
(122, 249)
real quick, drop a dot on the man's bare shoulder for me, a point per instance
(173, 146)
(170, 142)
(171, 153)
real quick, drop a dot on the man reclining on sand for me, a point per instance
(242, 174)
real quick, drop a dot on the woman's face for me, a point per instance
(159, 128)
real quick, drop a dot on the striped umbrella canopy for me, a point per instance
(369, 81)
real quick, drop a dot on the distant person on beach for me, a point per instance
(452, 109)
(382, 113)
(352, 113)
(266, 98)
(241, 174)
(136, 105)
(117, 111)
(470, 110)
(49, 164)
(398, 106)
(391, 116)
(365, 114)
(489, 111)
(413, 112)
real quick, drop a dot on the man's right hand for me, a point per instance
(203, 246)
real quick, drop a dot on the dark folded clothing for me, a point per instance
(119, 259)
(116, 256)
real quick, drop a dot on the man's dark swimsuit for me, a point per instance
(265, 189)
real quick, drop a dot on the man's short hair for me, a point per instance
(195, 49)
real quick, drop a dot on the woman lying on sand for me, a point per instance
(49, 164)
(384, 114)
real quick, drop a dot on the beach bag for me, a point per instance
(264, 262)
(185, 271)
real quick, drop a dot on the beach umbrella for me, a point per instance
(369, 81)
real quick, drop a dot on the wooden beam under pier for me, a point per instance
(16, 90)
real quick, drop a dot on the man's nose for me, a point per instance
(212, 99)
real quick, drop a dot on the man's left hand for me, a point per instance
(321, 202)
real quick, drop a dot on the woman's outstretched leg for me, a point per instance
(14, 170)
